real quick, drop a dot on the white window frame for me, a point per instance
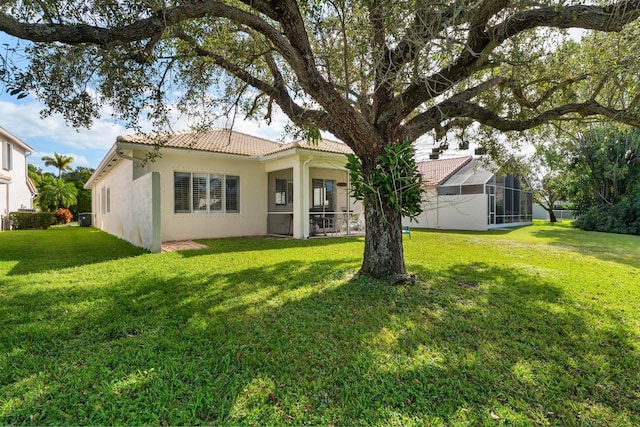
(7, 156)
(208, 201)
(284, 197)
(105, 198)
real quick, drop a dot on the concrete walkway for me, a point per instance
(182, 245)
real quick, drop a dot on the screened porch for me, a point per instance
(324, 204)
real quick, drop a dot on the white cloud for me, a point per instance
(24, 120)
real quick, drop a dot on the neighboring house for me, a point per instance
(461, 194)
(16, 189)
(221, 183)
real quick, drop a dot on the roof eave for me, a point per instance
(97, 174)
(16, 140)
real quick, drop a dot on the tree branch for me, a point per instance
(609, 18)
(278, 91)
(451, 109)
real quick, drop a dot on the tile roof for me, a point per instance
(231, 142)
(5, 178)
(435, 172)
(214, 140)
(324, 145)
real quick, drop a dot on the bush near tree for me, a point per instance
(63, 216)
(30, 220)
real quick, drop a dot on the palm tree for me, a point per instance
(59, 161)
(54, 193)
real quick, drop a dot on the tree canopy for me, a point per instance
(372, 72)
(604, 179)
(546, 174)
(58, 161)
(54, 193)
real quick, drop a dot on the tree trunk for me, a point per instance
(552, 215)
(383, 252)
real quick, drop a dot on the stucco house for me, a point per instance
(463, 194)
(16, 189)
(221, 183)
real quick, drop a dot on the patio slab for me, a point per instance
(182, 245)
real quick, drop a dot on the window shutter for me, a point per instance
(232, 194)
(215, 193)
(199, 192)
(182, 190)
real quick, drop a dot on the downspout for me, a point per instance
(305, 200)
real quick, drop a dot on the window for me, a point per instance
(105, 196)
(448, 191)
(323, 194)
(7, 156)
(182, 191)
(232, 196)
(199, 192)
(512, 202)
(284, 192)
(206, 193)
(215, 193)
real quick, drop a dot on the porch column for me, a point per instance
(298, 200)
(301, 199)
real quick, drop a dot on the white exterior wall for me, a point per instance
(429, 216)
(461, 212)
(145, 215)
(133, 206)
(118, 220)
(250, 221)
(15, 194)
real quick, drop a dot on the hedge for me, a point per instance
(30, 220)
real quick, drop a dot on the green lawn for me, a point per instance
(535, 326)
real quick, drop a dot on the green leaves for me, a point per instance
(395, 178)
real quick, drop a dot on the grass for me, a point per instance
(534, 326)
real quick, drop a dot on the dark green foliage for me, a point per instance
(55, 192)
(604, 177)
(79, 176)
(395, 178)
(623, 217)
(30, 220)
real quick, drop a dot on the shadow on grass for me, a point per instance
(35, 251)
(297, 343)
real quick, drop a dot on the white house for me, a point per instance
(16, 189)
(461, 194)
(221, 183)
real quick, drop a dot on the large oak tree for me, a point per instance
(372, 72)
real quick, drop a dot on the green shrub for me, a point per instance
(622, 218)
(30, 220)
(63, 216)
